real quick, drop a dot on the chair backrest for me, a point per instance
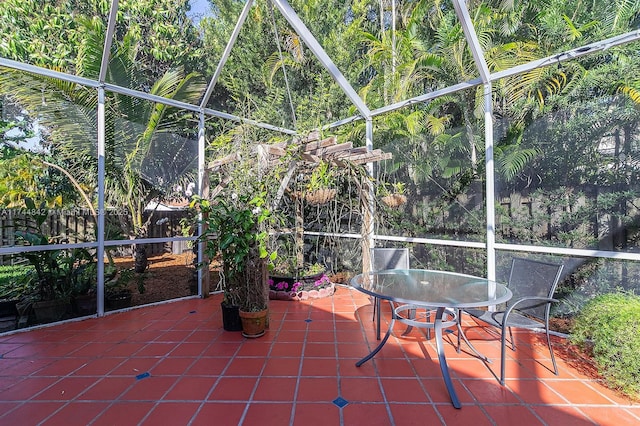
(389, 258)
(530, 278)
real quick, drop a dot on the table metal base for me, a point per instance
(438, 324)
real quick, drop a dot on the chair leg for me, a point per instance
(375, 305)
(553, 358)
(503, 342)
(513, 342)
(378, 316)
(459, 324)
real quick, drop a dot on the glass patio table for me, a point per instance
(444, 292)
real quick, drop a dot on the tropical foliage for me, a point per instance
(609, 326)
(566, 134)
(137, 131)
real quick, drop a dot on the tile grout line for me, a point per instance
(216, 382)
(598, 411)
(192, 331)
(305, 340)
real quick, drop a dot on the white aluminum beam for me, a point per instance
(370, 227)
(569, 54)
(427, 96)
(434, 241)
(135, 93)
(560, 251)
(45, 72)
(48, 247)
(301, 29)
(490, 199)
(201, 177)
(411, 101)
(341, 122)
(101, 208)
(564, 251)
(248, 121)
(226, 53)
(550, 60)
(178, 104)
(472, 38)
(108, 40)
(94, 244)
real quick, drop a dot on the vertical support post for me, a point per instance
(101, 210)
(490, 186)
(299, 232)
(394, 59)
(368, 206)
(203, 191)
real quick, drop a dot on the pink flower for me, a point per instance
(323, 280)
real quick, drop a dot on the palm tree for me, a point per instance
(144, 140)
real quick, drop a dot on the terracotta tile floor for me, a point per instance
(172, 364)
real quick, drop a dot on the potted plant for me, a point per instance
(288, 282)
(53, 272)
(394, 197)
(84, 289)
(320, 187)
(12, 290)
(118, 293)
(232, 231)
(254, 310)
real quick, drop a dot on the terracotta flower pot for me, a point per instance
(254, 324)
(320, 196)
(394, 200)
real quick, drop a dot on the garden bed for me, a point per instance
(169, 276)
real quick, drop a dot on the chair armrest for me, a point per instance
(532, 298)
(527, 299)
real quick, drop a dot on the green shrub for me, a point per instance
(12, 282)
(610, 326)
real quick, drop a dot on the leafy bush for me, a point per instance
(12, 282)
(610, 326)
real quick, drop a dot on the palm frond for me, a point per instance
(512, 159)
(632, 92)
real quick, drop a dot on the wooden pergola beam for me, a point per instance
(314, 146)
(277, 149)
(315, 151)
(312, 136)
(332, 150)
(371, 157)
(222, 161)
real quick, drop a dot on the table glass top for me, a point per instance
(435, 288)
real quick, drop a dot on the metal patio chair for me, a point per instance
(386, 258)
(533, 284)
(398, 258)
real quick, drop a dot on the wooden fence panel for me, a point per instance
(71, 226)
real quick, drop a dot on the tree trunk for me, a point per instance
(140, 260)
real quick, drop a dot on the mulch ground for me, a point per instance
(169, 276)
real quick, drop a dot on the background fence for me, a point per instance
(69, 227)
